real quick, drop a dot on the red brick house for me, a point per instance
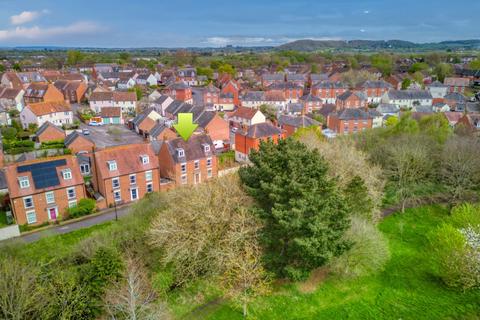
(250, 138)
(374, 90)
(349, 120)
(456, 84)
(328, 91)
(351, 99)
(126, 173)
(79, 143)
(290, 124)
(42, 92)
(188, 162)
(310, 103)
(180, 91)
(41, 190)
(211, 94)
(233, 88)
(73, 91)
(49, 132)
(290, 90)
(471, 121)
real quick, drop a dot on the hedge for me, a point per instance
(84, 207)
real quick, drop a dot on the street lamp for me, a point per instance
(115, 205)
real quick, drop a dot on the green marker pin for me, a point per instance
(185, 126)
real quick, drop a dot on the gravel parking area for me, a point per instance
(112, 135)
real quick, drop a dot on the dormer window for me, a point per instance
(145, 159)
(206, 147)
(67, 174)
(24, 182)
(112, 165)
(180, 152)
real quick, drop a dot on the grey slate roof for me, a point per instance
(262, 130)
(327, 84)
(74, 135)
(354, 114)
(3, 180)
(273, 77)
(297, 122)
(44, 127)
(409, 94)
(376, 84)
(193, 148)
(388, 108)
(254, 96)
(455, 96)
(310, 98)
(294, 107)
(424, 109)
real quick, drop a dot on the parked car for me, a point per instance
(86, 132)
(94, 123)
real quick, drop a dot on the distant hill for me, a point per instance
(312, 45)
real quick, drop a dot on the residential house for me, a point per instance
(161, 132)
(12, 98)
(297, 79)
(290, 124)
(146, 79)
(188, 162)
(144, 122)
(291, 91)
(73, 91)
(253, 99)
(453, 118)
(272, 78)
(310, 103)
(160, 104)
(351, 99)
(470, 121)
(59, 113)
(349, 120)
(456, 84)
(126, 173)
(127, 101)
(388, 109)
(408, 98)
(42, 190)
(188, 76)
(49, 132)
(438, 91)
(316, 78)
(42, 92)
(244, 116)
(111, 115)
(328, 91)
(5, 119)
(79, 143)
(374, 90)
(231, 88)
(250, 138)
(11, 81)
(180, 91)
(455, 98)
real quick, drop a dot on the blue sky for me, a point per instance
(107, 23)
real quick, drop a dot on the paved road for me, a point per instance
(62, 229)
(118, 135)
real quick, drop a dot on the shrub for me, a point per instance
(455, 260)
(84, 207)
(369, 252)
(465, 215)
(9, 133)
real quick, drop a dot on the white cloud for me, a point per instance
(366, 11)
(39, 33)
(27, 16)
(362, 30)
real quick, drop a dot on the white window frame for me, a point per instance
(72, 203)
(180, 153)
(209, 173)
(183, 167)
(148, 175)
(50, 197)
(145, 159)
(85, 168)
(25, 203)
(74, 193)
(67, 174)
(134, 181)
(209, 162)
(28, 213)
(115, 193)
(149, 186)
(183, 179)
(117, 184)
(136, 193)
(196, 164)
(112, 165)
(22, 180)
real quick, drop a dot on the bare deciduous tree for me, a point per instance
(460, 162)
(132, 298)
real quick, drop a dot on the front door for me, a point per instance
(197, 178)
(52, 212)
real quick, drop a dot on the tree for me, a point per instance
(2, 68)
(443, 70)
(406, 83)
(304, 214)
(203, 228)
(74, 57)
(406, 125)
(391, 121)
(435, 126)
(269, 111)
(17, 67)
(138, 91)
(408, 163)
(124, 57)
(226, 68)
(208, 72)
(460, 167)
(9, 133)
(132, 297)
(382, 62)
(418, 66)
(475, 64)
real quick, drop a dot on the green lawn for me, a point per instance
(404, 290)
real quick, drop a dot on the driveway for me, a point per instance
(112, 135)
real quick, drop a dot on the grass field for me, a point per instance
(406, 288)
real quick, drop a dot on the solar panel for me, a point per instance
(44, 174)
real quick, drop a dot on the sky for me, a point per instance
(212, 23)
